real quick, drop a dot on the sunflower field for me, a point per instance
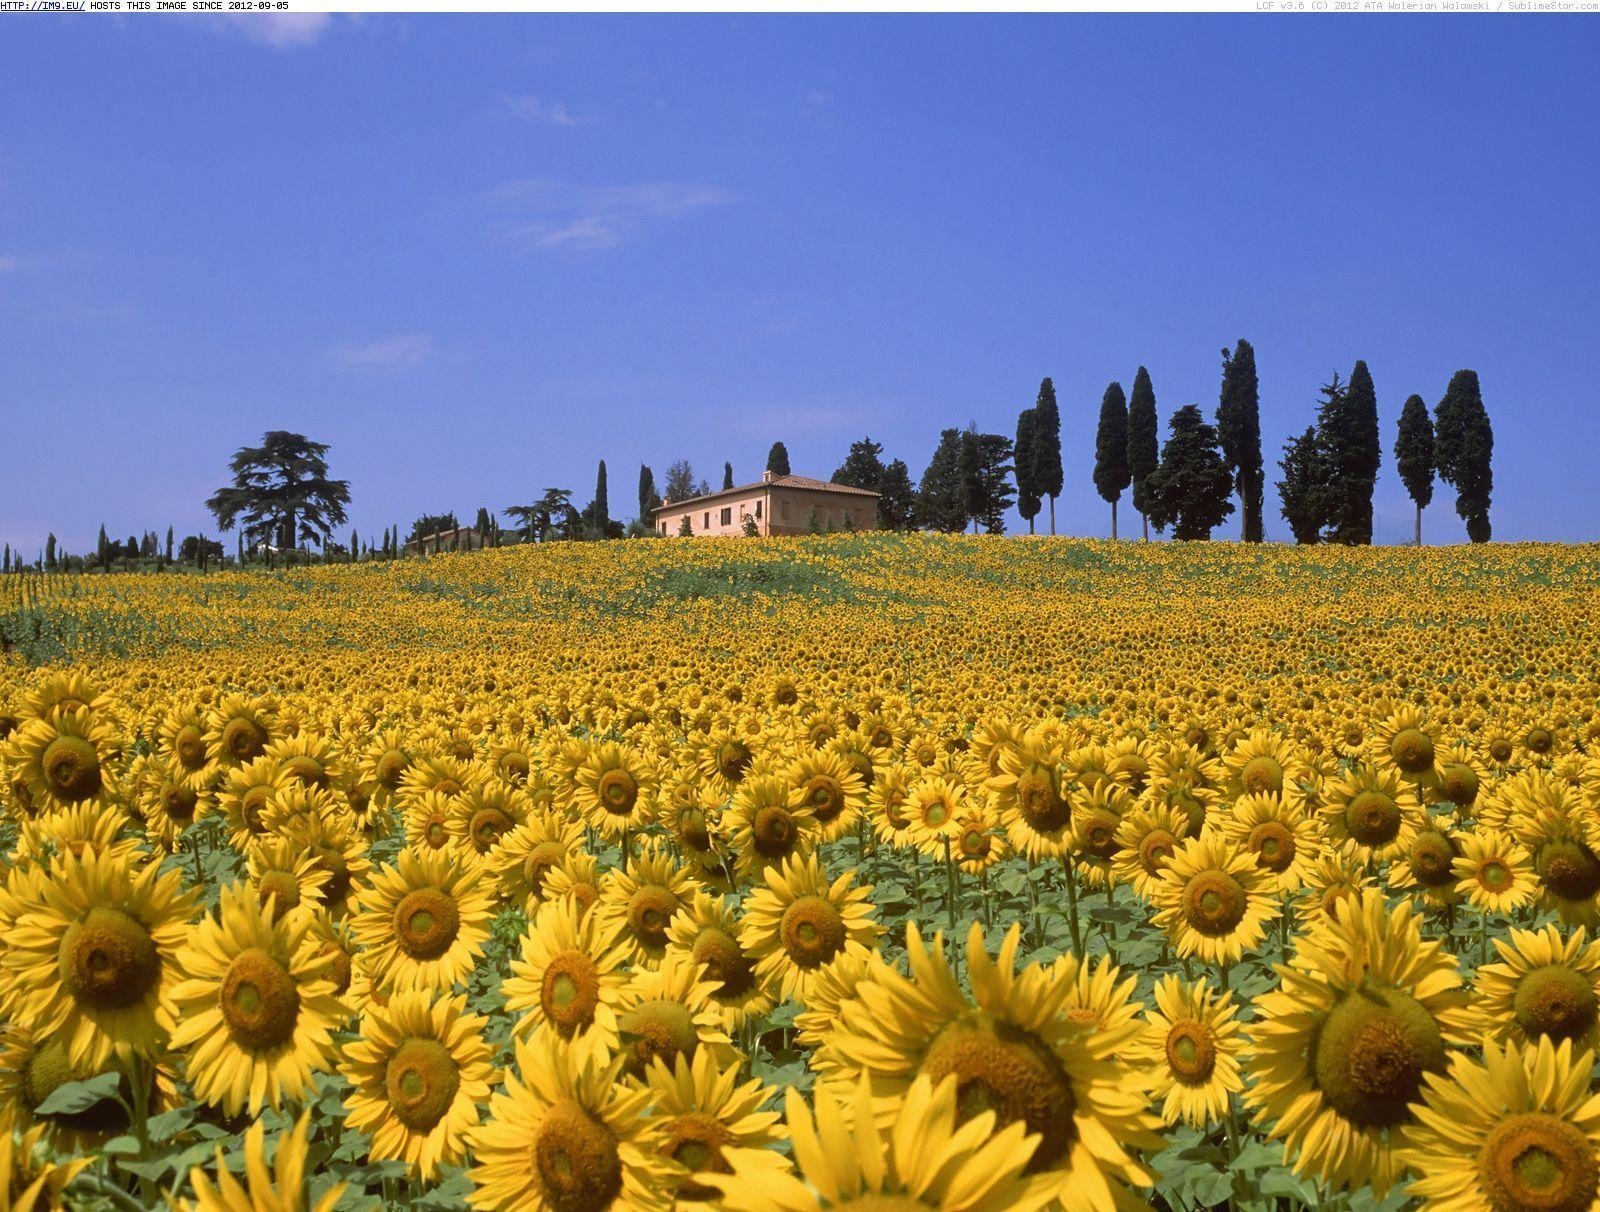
(871, 872)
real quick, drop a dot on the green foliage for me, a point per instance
(778, 459)
(1303, 489)
(1463, 444)
(1347, 428)
(896, 500)
(1239, 431)
(281, 493)
(1413, 451)
(1028, 499)
(1111, 475)
(1189, 490)
(862, 467)
(941, 497)
(649, 499)
(1047, 477)
(1144, 437)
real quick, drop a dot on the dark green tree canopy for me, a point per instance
(1047, 476)
(1463, 448)
(1239, 431)
(778, 459)
(281, 492)
(649, 499)
(1303, 489)
(1111, 476)
(1028, 495)
(1413, 450)
(431, 524)
(680, 481)
(1348, 432)
(985, 467)
(1190, 489)
(727, 476)
(941, 496)
(897, 502)
(1144, 436)
(862, 467)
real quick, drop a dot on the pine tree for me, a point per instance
(649, 499)
(862, 466)
(1190, 489)
(1303, 489)
(1413, 454)
(941, 500)
(1144, 437)
(897, 502)
(680, 481)
(727, 476)
(1028, 501)
(1463, 447)
(1111, 474)
(1047, 478)
(778, 459)
(1239, 430)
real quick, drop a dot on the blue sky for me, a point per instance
(478, 254)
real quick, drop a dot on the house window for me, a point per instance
(758, 509)
(727, 516)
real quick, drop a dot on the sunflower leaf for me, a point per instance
(72, 1097)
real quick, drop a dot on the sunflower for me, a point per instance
(512, 760)
(637, 905)
(1560, 834)
(480, 817)
(576, 878)
(424, 920)
(1146, 839)
(1266, 763)
(1213, 900)
(707, 931)
(94, 961)
(1097, 813)
(1462, 776)
(1372, 813)
(285, 877)
(933, 809)
(1331, 879)
(1495, 874)
(1191, 1044)
(1281, 834)
(65, 759)
(1545, 986)
(168, 802)
(104, 830)
(615, 789)
(833, 790)
(427, 819)
(692, 815)
(1364, 1008)
(1013, 1054)
(800, 922)
(527, 854)
(1428, 864)
(29, 1179)
(255, 1011)
(724, 759)
(246, 796)
(833, 985)
(978, 843)
(935, 1155)
(670, 1012)
(1185, 778)
(32, 1069)
(1519, 1129)
(448, 776)
(308, 758)
(1032, 798)
(238, 730)
(567, 1136)
(569, 979)
(767, 824)
(886, 802)
(1407, 744)
(699, 1110)
(1099, 997)
(419, 1069)
(280, 1187)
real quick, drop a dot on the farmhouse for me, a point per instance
(777, 505)
(462, 538)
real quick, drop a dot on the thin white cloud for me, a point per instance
(547, 216)
(531, 108)
(282, 30)
(404, 352)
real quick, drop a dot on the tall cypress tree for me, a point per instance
(1353, 446)
(1144, 437)
(778, 459)
(1047, 478)
(600, 515)
(1111, 474)
(1027, 487)
(1239, 430)
(1463, 447)
(649, 498)
(1413, 454)
(727, 476)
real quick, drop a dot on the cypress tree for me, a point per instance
(1190, 489)
(1027, 487)
(1047, 478)
(103, 550)
(1463, 447)
(727, 476)
(169, 544)
(6, 567)
(50, 552)
(1239, 430)
(1111, 474)
(601, 509)
(1144, 436)
(649, 499)
(1349, 437)
(1413, 454)
(778, 459)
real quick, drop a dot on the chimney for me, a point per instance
(768, 476)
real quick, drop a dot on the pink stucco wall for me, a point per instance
(781, 511)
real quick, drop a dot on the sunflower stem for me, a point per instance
(1072, 903)
(950, 888)
(1483, 937)
(983, 890)
(1033, 904)
(140, 1078)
